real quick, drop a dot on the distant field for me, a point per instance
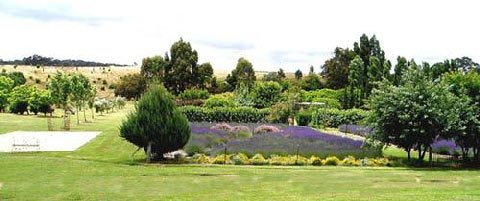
(104, 170)
(97, 74)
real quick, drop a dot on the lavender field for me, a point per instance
(272, 139)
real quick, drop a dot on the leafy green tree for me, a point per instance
(335, 70)
(80, 91)
(60, 88)
(204, 75)
(266, 94)
(19, 98)
(399, 70)
(467, 87)
(40, 101)
(311, 82)
(182, 72)
(6, 86)
(298, 74)
(91, 101)
(154, 68)
(17, 77)
(413, 115)
(354, 89)
(156, 125)
(366, 49)
(131, 86)
(312, 70)
(242, 74)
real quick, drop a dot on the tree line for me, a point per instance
(37, 60)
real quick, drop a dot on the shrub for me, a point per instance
(131, 86)
(6, 86)
(266, 94)
(217, 101)
(197, 102)
(104, 82)
(350, 161)
(224, 114)
(335, 117)
(240, 159)
(303, 117)
(38, 81)
(102, 88)
(220, 159)
(156, 125)
(267, 129)
(19, 98)
(316, 161)
(201, 159)
(332, 160)
(193, 94)
(310, 96)
(258, 159)
(222, 126)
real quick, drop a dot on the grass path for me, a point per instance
(103, 170)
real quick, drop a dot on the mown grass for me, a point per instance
(104, 170)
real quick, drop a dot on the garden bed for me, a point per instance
(250, 139)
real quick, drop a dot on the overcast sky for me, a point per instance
(271, 34)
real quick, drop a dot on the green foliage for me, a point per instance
(224, 114)
(218, 101)
(6, 86)
(242, 74)
(40, 101)
(332, 160)
(258, 159)
(336, 69)
(335, 117)
(154, 67)
(194, 94)
(156, 124)
(59, 86)
(19, 98)
(303, 117)
(415, 114)
(131, 86)
(17, 77)
(265, 94)
(328, 96)
(311, 82)
(298, 74)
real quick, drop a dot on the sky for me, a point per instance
(292, 35)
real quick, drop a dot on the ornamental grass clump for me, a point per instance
(267, 129)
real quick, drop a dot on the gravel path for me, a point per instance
(28, 141)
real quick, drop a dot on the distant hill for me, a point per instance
(37, 60)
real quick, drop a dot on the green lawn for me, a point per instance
(104, 170)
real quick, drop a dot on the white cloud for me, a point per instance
(271, 34)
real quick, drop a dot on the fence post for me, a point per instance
(225, 156)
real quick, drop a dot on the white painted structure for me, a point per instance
(31, 141)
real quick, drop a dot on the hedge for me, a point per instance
(225, 114)
(336, 117)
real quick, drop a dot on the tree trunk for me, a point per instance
(93, 113)
(430, 156)
(419, 149)
(408, 154)
(149, 152)
(78, 115)
(85, 114)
